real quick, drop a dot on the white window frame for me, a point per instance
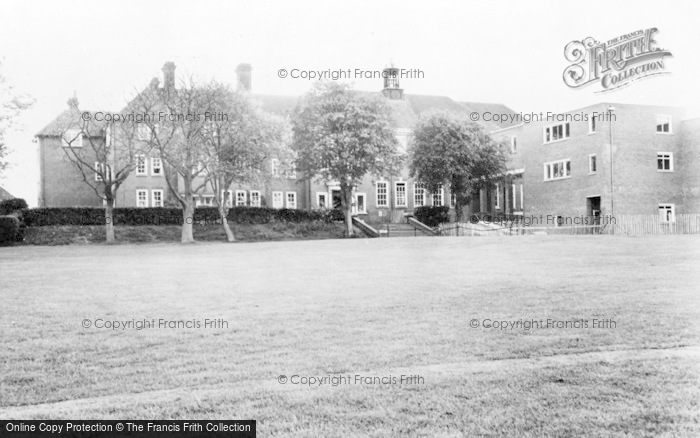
(145, 165)
(419, 190)
(99, 168)
(154, 202)
(199, 201)
(255, 198)
(227, 198)
(549, 169)
(385, 184)
(241, 199)
(664, 209)
(156, 164)
(404, 204)
(522, 204)
(291, 205)
(278, 200)
(325, 199)
(664, 156)
(565, 132)
(143, 192)
(77, 138)
(440, 194)
(497, 202)
(592, 164)
(356, 206)
(664, 119)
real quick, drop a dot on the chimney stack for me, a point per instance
(245, 78)
(169, 76)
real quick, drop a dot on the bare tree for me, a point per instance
(11, 104)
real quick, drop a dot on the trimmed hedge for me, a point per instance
(9, 230)
(9, 206)
(432, 216)
(37, 217)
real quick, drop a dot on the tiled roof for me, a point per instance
(493, 108)
(61, 122)
(4, 195)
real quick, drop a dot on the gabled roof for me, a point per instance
(63, 121)
(493, 108)
(5, 195)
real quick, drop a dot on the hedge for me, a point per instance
(37, 217)
(9, 206)
(9, 230)
(432, 216)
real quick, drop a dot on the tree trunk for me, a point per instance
(109, 221)
(187, 220)
(346, 203)
(224, 223)
(458, 209)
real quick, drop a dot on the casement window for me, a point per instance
(277, 200)
(592, 125)
(156, 198)
(592, 164)
(498, 196)
(142, 198)
(156, 166)
(227, 198)
(663, 124)
(400, 198)
(275, 167)
(555, 133)
(664, 161)
(292, 200)
(382, 194)
(438, 196)
(141, 166)
(322, 199)
(204, 201)
(102, 169)
(418, 194)
(240, 198)
(255, 200)
(72, 138)
(557, 170)
(667, 213)
(513, 144)
(360, 206)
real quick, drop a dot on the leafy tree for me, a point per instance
(342, 135)
(449, 148)
(239, 145)
(11, 104)
(104, 154)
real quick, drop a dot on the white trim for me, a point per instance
(356, 204)
(663, 156)
(592, 171)
(419, 187)
(279, 202)
(292, 205)
(442, 197)
(515, 200)
(145, 198)
(563, 162)
(396, 194)
(159, 166)
(386, 194)
(98, 168)
(664, 209)
(241, 201)
(497, 201)
(154, 202)
(325, 201)
(255, 198)
(565, 132)
(663, 119)
(145, 165)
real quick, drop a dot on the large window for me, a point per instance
(141, 167)
(400, 197)
(667, 212)
(555, 133)
(382, 194)
(255, 198)
(277, 199)
(557, 170)
(240, 198)
(663, 124)
(102, 169)
(438, 196)
(156, 198)
(292, 200)
(664, 162)
(418, 194)
(156, 166)
(72, 138)
(142, 198)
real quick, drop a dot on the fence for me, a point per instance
(632, 225)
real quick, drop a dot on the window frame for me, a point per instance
(281, 199)
(145, 198)
(154, 167)
(565, 132)
(145, 166)
(396, 194)
(253, 194)
(441, 194)
(419, 190)
(660, 119)
(356, 207)
(549, 169)
(293, 205)
(497, 200)
(318, 199)
(663, 156)
(153, 198)
(238, 201)
(666, 208)
(592, 164)
(592, 128)
(385, 184)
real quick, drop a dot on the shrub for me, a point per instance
(10, 206)
(9, 229)
(432, 216)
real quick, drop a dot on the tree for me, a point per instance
(239, 145)
(11, 104)
(342, 135)
(104, 154)
(449, 148)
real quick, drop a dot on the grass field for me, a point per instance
(362, 307)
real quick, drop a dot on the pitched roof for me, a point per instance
(56, 127)
(5, 195)
(493, 108)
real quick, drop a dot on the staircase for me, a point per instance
(400, 230)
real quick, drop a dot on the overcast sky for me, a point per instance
(505, 52)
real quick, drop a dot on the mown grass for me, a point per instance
(370, 307)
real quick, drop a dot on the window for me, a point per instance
(141, 165)
(275, 167)
(156, 166)
(498, 196)
(322, 199)
(667, 213)
(255, 198)
(142, 198)
(663, 124)
(205, 201)
(592, 164)
(453, 200)
(156, 198)
(438, 195)
(400, 194)
(72, 138)
(522, 205)
(227, 198)
(418, 194)
(591, 125)
(664, 162)
(555, 133)
(240, 198)
(360, 203)
(292, 200)
(557, 170)
(277, 200)
(102, 169)
(382, 194)
(513, 144)
(512, 188)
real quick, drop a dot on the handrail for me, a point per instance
(420, 225)
(365, 227)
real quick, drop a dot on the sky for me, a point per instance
(509, 52)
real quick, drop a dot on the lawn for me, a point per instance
(374, 308)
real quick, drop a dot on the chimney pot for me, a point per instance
(169, 76)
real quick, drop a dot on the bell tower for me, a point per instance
(392, 90)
